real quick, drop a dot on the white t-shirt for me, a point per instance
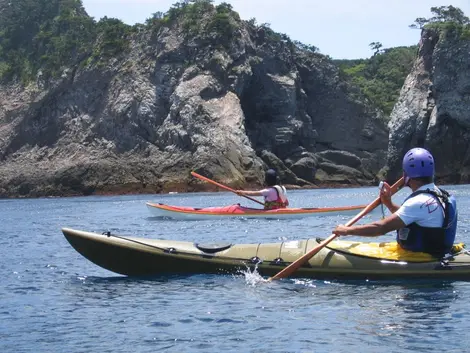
(270, 194)
(423, 209)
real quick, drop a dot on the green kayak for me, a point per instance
(134, 256)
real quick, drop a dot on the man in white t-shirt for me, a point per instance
(427, 219)
(275, 196)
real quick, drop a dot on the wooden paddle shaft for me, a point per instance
(223, 186)
(300, 261)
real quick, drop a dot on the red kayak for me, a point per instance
(184, 212)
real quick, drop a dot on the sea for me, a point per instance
(54, 300)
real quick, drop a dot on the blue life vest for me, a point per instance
(438, 240)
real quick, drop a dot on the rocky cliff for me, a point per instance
(433, 110)
(226, 104)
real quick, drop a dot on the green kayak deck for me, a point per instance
(134, 256)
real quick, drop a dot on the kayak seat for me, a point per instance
(213, 248)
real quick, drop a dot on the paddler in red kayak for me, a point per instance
(274, 195)
(427, 219)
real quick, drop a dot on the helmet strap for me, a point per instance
(406, 178)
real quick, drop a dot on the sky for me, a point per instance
(342, 29)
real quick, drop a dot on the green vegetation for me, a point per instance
(448, 19)
(380, 77)
(60, 39)
(224, 23)
(113, 37)
(48, 35)
(200, 18)
(190, 14)
(306, 47)
(442, 14)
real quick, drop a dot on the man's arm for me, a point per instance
(374, 229)
(249, 193)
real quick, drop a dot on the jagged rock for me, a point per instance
(333, 173)
(349, 166)
(433, 110)
(342, 157)
(305, 168)
(284, 173)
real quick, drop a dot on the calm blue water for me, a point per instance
(54, 300)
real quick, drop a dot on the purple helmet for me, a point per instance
(418, 162)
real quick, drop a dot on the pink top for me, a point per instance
(269, 194)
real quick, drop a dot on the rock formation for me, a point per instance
(433, 110)
(176, 102)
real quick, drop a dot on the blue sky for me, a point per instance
(342, 29)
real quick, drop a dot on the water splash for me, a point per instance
(252, 278)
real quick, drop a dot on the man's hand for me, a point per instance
(386, 194)
(341, 230)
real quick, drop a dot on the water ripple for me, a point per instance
(54, 300)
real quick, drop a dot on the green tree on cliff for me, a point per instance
(442, 14)
(112, 37)
(376, 47)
